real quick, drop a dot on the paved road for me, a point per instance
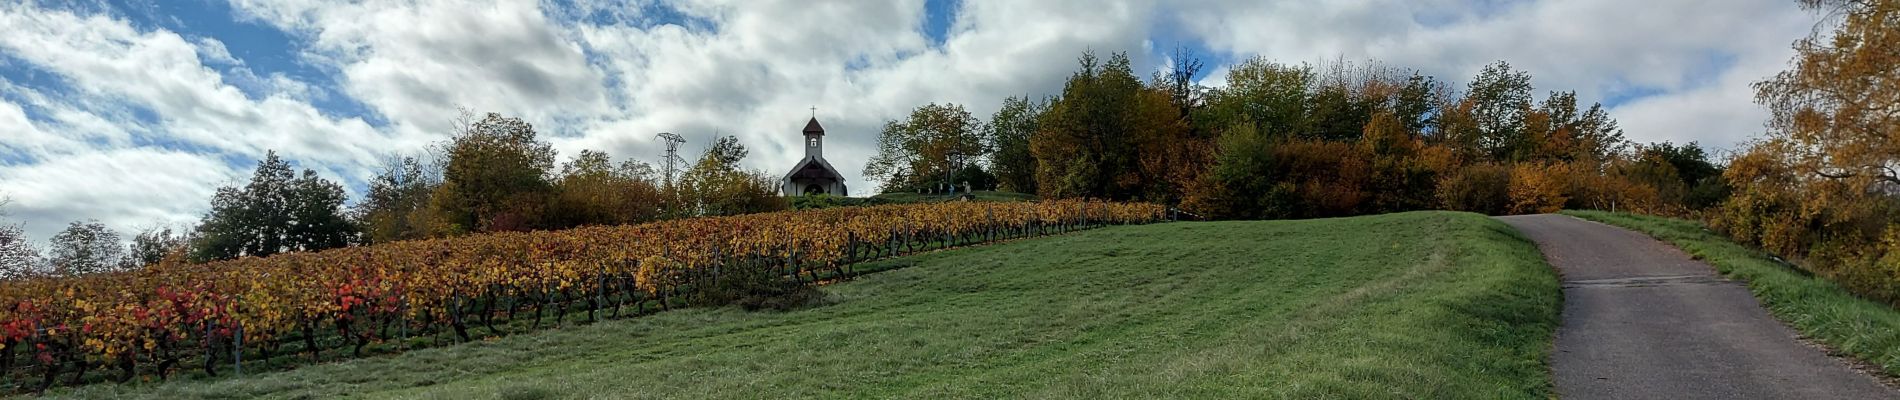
(1643, 320)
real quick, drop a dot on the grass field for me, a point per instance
(1820, 310)
(1414, 305)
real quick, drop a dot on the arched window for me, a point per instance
(811, 142)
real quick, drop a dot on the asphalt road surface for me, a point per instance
(1642, 320)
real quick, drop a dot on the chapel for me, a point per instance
(812, 174)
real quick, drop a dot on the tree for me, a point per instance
(925, 149)
(394, 207)
(151, 246)
(1086, 143)
(1416, 105)
(317, 218)
(1010, 129)
(716, 185)
(1400, 179)
(18, 258)
(1268, 95)
(1241, 183)
(1178, 81)
(84, 248)
(278, 211)
(592, 191)
(1343, 101)
(494, 177)
(1836, 115)
(1500, 99)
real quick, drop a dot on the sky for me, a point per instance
(133, 112)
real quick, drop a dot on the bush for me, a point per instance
(1539, 188)
(818, 201)
(756, 288)
(1479, 188)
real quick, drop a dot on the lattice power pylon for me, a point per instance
(672, 156)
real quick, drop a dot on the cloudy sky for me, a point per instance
(132, 112)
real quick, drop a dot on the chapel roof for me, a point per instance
(813, 127)
(814, 167)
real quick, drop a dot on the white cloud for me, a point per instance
(414, 62)
(102, 160)
(124, 188)
(213, 51)
(1699, 54)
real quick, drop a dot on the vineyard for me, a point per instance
(155, 321)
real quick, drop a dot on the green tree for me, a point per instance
(1085, 142)
(84, 248)
(1342, 102)
(278, 211)
(927, 148)
(494, 177)
(318, 220)
(1416, 105)
(1691, 179)
(1270, 96)
(1500, 99)
(1242, 183)
(1010, 129)
(151, 246)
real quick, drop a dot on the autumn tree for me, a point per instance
(1087, 143)
(396, 205)
(718, 185)
(1402, 176)
(84, 247)
(1178, 81)
(1010, 129)
(1825, 181)
(277, 211)
(1169, 152)
(1836, 115)
(591, 190)
(494, 176)
(927, 148)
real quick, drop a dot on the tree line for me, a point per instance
(1299, 141)
(492, 175)
(1821, 188)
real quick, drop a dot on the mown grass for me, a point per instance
(1819, 309)
(1415, 305)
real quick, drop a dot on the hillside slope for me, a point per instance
(1414, 305)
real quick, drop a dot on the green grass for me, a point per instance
(1415, 305)
(1819, 309)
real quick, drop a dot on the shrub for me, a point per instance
(1480, 188)
(1539, 188)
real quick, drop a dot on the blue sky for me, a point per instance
(134, 111)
